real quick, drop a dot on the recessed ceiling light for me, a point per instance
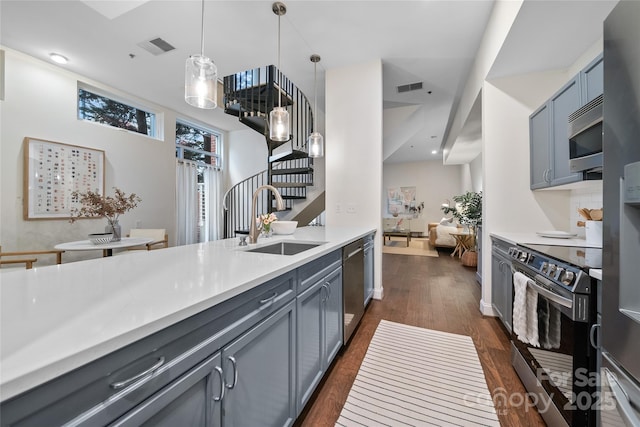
(434, 152)
(60, 59)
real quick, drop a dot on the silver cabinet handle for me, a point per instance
(270, 299)
(328, 285)
(595, 329)
(235, 372)
(625, 410)
(218, 369)
(151, 370)
(323, 298)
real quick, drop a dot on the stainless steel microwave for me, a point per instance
(585, 138)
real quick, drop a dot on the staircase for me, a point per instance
(250, 96)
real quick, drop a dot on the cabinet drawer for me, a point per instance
(316, 270)
(103, 390)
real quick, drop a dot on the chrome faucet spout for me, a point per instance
(253, 228)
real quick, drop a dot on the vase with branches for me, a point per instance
(468, 211)
(95, 205)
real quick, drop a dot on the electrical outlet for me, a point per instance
(351, 208)
(138, 223)
(338, 208)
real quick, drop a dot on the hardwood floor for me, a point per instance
(435, 293)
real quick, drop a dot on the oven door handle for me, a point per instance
(565, 302)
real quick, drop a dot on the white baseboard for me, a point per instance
(378, 293)
(487, 309)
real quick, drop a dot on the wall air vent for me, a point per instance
(156, 46)
(410, 87)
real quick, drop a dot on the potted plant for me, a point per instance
(468, 212)
(95, 205)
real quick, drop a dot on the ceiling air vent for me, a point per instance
(410, 87)
(156, 46)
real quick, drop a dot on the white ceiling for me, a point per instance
(429, 41)
(433, 42)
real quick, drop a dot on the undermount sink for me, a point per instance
(285, 248)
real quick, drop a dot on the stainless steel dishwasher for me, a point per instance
(352, 286)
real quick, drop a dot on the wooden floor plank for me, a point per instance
(435, 293)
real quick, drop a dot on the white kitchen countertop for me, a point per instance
(56, 318)
(596, 273)
(533, 239)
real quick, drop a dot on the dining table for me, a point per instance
(107, 248)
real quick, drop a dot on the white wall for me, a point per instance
(249, 150)
(475, 173)
(353, 151)
(509, 204)
(434, 183)
(41, 102)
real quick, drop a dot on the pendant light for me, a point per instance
(315, 142)
(279, 123)
(201, 78)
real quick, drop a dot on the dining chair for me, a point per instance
(26, 257)
(159, 236)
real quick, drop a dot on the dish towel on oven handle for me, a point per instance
(520, 306)
(525, 310)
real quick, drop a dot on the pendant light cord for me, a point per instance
(202, 31)
(279, 73)
(315, 93)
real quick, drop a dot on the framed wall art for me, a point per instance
(53, 171)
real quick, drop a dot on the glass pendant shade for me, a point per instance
(201, 82)
(279, 124)
(316, 145)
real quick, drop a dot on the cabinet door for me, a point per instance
(507, 318)
(539, 140)
(259, 372)
(333, 322)
(368, 273)
(309, 307)
(592, 79)
(497, 286)
(563, 103)
(191, 400)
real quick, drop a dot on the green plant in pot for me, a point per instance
(468, 211)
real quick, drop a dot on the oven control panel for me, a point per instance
(558, 272)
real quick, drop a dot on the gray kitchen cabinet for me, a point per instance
(592, 80)
(502, 282)
(563, 103)
(319, 323)
(369, 267)
(549, 139)
(194, 400)
(548, 128)
(120, 384)
(540, 139)
(259, 370)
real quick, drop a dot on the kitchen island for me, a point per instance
(56, 319)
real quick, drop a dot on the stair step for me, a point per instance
(255, 122)
(291, 184)
(294, 197)
(291, 171)
(296, 154)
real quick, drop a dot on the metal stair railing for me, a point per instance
(251, 95)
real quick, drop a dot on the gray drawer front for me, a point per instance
(182, 346)
(316, 270)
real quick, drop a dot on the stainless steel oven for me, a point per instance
(553, 312)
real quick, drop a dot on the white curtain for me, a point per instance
(213, 204)
(187, 203)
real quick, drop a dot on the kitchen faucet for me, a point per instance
(253, 229)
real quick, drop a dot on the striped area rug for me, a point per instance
(413, 376)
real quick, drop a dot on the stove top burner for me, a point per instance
(583, 258)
